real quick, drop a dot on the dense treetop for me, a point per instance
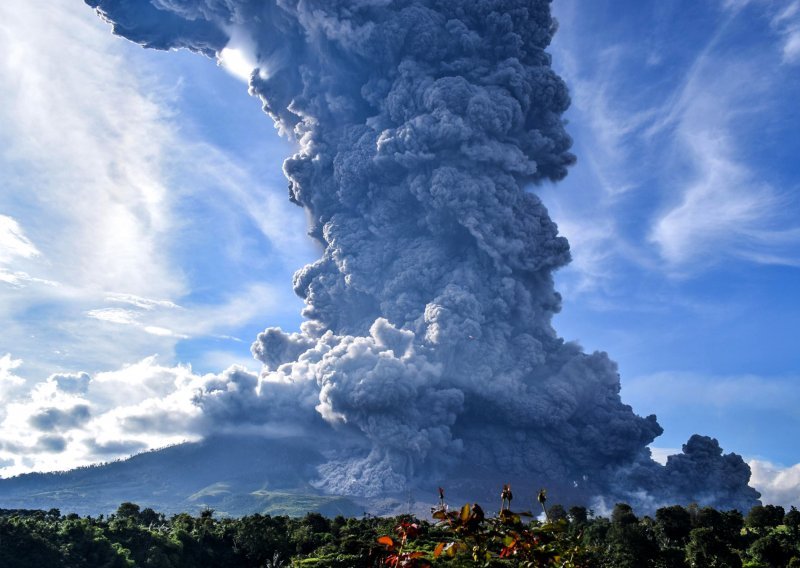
(676, 536)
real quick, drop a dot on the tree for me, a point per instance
(557, 513)
(792, 520)
(627, 542)
(128, 510)
(259, 538)
(578, 515)
(675, 524)
(317, 523)
(83, 544)
(706, 550)
(762, 517)
(623, 515)
(26, 544)
(149, 517)
(775, 549)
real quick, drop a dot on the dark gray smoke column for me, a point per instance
(422, 125)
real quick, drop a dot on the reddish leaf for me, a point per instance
(386, 541)
(411, 530)
(437, 552)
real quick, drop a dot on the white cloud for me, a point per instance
(85, 169)
(238, 57)
(791, 49)
(661, 454)
(609, 128)
(114, 315)
(92, 146)
(584, 204)
(593, 246)
(785, 20)
(162, 332)
(735, 5)
(665, 180)
(13, 242)
(779, 485)
(282, 223)
(131, 317)
(166, 319)
(101, 174)
(721, 206)
(139, 302)
(15, 247)
(20, 279)
(96, 172)
(787, 23)
(71, 420)
(10, 383)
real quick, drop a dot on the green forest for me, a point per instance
(553, 535)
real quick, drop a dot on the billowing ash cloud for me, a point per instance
(428, 350)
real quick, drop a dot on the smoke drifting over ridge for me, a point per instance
(428, 351)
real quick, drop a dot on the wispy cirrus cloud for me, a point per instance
(721, 205)
(100, 236)
(13, 242)
(784, 19)
(787, 23)
(668, 181)
(257, 301)
(85, 173)
(139, 302)
(15, 250)
(86, 141)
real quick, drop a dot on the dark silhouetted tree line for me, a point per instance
(675, 536)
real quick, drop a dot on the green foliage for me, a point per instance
(763, 517)
(674, 524)
(792, 520)
(468, 537)
(676, 537)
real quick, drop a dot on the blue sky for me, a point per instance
(682, 211)
(146, 238)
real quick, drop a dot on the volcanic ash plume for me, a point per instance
(428, 351)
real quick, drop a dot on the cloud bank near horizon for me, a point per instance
(77, 419)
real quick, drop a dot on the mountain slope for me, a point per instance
(233, 475)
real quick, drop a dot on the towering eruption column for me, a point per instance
(422, 128)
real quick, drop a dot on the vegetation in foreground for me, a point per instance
(466, 537)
